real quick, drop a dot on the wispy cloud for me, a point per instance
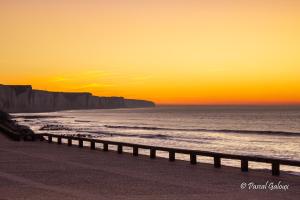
(79, 76)
(60, 79)
(92, 86)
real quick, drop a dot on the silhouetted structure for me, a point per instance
(22, 98)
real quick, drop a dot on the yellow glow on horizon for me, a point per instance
(180, 52)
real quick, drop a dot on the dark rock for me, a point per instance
(13, 130)
(4, 116)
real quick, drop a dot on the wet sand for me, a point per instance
(38, 170)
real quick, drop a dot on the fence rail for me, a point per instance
(275, 163)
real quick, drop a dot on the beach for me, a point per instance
(38, 170)
(265, 131)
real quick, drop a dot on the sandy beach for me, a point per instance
(38, 170)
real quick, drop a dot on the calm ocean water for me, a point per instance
(246, 130)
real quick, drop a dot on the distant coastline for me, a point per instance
(22, 98)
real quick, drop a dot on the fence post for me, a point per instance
(193, 158)
(41, 138)
(135, 151)
(275, 168)
(217, 162)
(171, 155)
(120, 148)
(152, 153)
(244, 165)
(80, 143)
(69, 142)
(93, 145)
(58, 140)
(105, 147)
(50, 138)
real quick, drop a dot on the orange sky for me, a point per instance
(168, 51)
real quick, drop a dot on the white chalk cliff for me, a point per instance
(22, 98)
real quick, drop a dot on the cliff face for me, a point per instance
(134, 103)
(17, 98)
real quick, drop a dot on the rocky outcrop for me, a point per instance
(22, 98)
(13, 130)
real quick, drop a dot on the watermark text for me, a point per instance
(268, 185)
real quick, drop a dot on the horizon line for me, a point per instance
(253, 104)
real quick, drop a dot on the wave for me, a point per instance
(37, 116)
(148, 136)
(161, 136)
(267, 132)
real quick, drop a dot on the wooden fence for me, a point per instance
(275, 163)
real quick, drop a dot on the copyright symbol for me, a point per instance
(243, 185)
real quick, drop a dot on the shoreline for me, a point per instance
(35, 170)
(105, 135)
(151, 151)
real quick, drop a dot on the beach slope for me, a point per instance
(38, 170)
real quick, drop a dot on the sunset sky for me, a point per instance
(168, 51)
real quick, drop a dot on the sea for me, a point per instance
(267, 131)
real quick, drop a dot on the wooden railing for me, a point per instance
(275, 163)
